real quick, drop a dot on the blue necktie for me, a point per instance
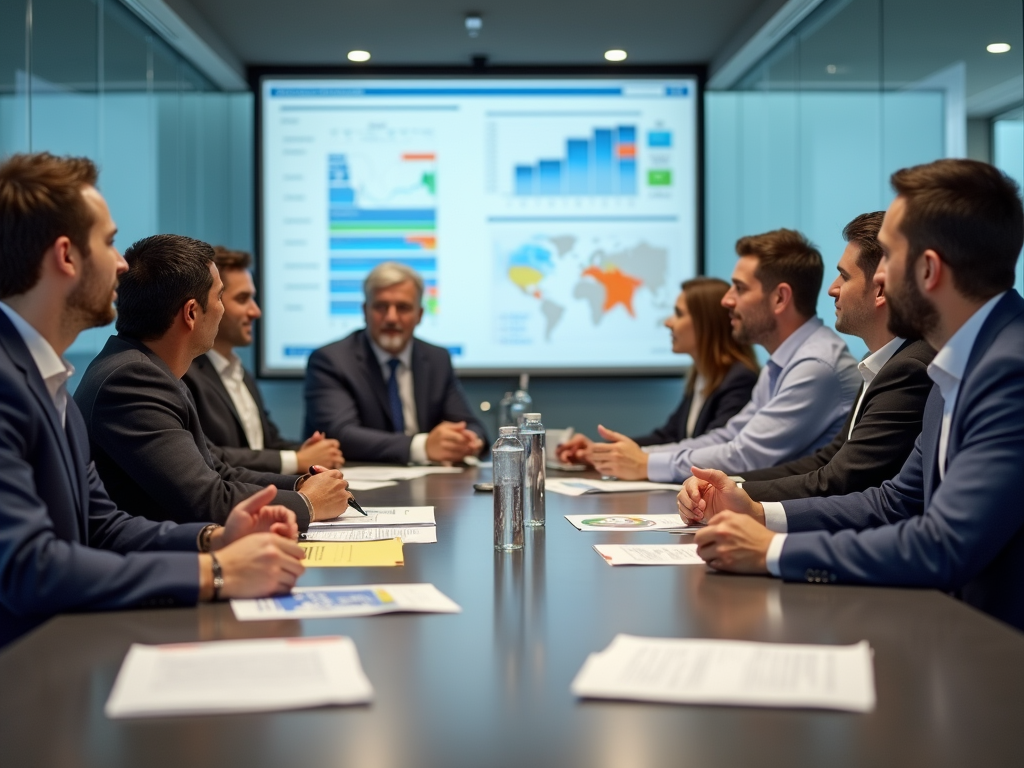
(397, 419)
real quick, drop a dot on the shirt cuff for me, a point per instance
(775, 516)
(659, 468)
(775, 554)
(418, 449)
(290, 463)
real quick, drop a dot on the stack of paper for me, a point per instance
(352, 554)
(730, 672)
(413, 525)
(395, 472)
(346, 602)
(649, 554)
(583, 485)
(672, 523)
(238, 676)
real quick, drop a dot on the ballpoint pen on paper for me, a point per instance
(351, 499)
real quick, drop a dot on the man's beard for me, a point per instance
(911, 315)
(854, 320)
(754, 328)
(90, 302)
(391, 342)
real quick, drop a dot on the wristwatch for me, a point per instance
(218, 577)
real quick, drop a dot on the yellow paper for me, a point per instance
(352, 554)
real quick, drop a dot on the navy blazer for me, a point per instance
(222, 425)
(721, 405)
(963, 534)
(347, 398)
(64, 546)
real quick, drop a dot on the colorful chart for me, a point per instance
(618, 522)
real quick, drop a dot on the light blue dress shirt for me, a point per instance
(800, 401)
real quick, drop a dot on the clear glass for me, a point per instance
(532, 436)
(508, 457)
(505, 410)
(521, 403)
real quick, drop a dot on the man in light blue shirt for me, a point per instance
(803, 394)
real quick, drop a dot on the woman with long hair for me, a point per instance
(721, 379)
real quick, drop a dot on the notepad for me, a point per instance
(346, 602)
(412, 534)
(379, 516)
(649, 554)
(238, 676)
(352, 554)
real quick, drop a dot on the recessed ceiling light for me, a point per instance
(997, 47)
(358, 55)
(616, 54)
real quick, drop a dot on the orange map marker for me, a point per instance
(618, 287)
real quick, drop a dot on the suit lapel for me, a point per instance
(420, 380)
(78, 441)
(375, 379)
(210, 372)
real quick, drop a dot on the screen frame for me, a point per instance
(257, 73)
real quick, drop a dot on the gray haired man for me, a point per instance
(385, 395)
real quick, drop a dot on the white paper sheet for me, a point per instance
(379, 516)
(585, 485)
(629, 523)
(422, 534)
(344, 602)
(369, 485)
(238, 676)
(649, 554)
(730, 672)
(395, 472)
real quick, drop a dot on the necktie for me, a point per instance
(397, 418)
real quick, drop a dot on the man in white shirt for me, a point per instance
(226, 395)
(953, 518)
(385, 395)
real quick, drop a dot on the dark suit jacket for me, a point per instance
(149, 446)
(724, 403)
(888, 423)
(64, 546)
(347, 398)
(963, 534)
(221, 424)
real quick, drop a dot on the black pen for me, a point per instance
(351, 499)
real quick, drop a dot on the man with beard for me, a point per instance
(953, 518)
(64, 546)
(384, 395)
(228, 401)
(803, 394)
(885, 421)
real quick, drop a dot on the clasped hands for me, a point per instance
(735, 538)
(452, 441)
(619, 457)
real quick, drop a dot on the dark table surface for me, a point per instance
(490, 686)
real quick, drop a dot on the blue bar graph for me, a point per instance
(604, 164)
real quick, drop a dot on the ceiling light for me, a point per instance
(358, 55)
(474, 24)
(997, 47)
(616, 54)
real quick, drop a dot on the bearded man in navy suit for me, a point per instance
(953, 518)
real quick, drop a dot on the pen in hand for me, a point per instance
(351, 499)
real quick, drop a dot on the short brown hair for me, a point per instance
(717, 350)
(40, 200)
(969, 213)
(225, 258)
(786, 256)
(863, 232)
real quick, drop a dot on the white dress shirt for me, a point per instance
(54, 369)
(869, 368)
(947, 371)
(233, 378)
(418, 446)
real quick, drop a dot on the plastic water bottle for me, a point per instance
(505, 410)
(508, 455)
(531, 434)
(521, 401)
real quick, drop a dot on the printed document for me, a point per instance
(411, 534)
(396, 472)
(582, 485)
(369, 485)
(238, 676)
(389, 516)
(352, 554)
(649, 554)
(671, 523)
(730, 672)
(346, 602)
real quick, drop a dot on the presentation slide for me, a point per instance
(552, 220)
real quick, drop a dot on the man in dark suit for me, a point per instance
(144, 431)
(953, 518)
(385, 395)
(885, 421)
(64, 546)
(229, 403)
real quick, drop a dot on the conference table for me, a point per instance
(490, 686)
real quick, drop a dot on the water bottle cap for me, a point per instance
(532, 416)
(508, 430)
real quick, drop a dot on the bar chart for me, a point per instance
(362, 238)
(604, 163)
